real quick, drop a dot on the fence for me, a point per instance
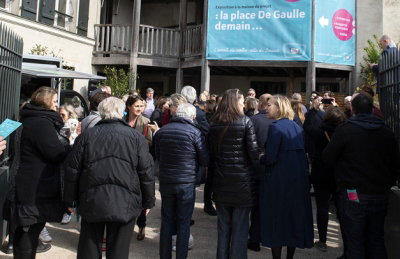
(389, 89)
(153, 41)
(10, 76)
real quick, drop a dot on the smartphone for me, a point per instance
(327, 100)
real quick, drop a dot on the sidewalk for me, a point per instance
(204, 231)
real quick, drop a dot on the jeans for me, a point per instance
(323, 195)
(363, 223)
(176, 211)
(233, 228)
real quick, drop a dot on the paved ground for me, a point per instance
(65, 238)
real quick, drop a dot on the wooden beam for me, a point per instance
(286, 70)
(182, 26)
(291, 90)
(271, 69)
(191, 63)
(242, 70)
(303, 71)
(257, 70)
(334, 66)
(256, 63)
(158, 62)
(112, 61)
(135, 41)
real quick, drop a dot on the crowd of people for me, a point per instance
(258, 159)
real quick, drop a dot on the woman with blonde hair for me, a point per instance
(297, 107)
(285, 201)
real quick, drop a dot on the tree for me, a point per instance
(373, 51)
(44, 51)
(118, 80)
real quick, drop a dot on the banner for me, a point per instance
(335, 32)
(259, 30)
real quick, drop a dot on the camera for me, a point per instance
(327, 100)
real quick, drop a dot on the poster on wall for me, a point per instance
(259, 30)
(335, 32)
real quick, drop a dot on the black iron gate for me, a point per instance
(389, 90)
(10, 84)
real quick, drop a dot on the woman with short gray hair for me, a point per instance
(109, 170)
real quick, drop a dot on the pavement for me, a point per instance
(204, 231)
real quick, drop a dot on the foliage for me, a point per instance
(118, 80)
(44, 51)
(372, 53)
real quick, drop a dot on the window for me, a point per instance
(269, 87)
(5, 4)
(63, 13)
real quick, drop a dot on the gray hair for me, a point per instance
(186, 109)
(149, 90)
(347, 98)
(189, 93)
(296, 96)
(387, 37)
(177, 99)
(111, 107)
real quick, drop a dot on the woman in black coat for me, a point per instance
(34, 190)
(162, 105)
(322, 174)
(233, 145)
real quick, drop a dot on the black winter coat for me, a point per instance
(110, 173)
(34, 190)
(180, 149)
(321, 172)
(157, 116)
(366, 155)
(233, 180)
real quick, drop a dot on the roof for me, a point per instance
(52, 71)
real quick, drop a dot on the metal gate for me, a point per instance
(10, 84)
(389, 89)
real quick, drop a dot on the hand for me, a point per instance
(334, 103)
(154, 127)
(371, 65)
(2, 145)
(317, 104)
(71, 210)
(262, 154)
(146, 212)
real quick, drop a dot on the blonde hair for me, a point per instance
(203, 97)
(70, 110)
(298, 109)
(283, 103)
(44, 97)
(177, 99)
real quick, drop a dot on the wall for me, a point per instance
(154, 14)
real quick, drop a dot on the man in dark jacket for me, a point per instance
(261, 124)
(366, 157)
(180, 149)
(109, 173)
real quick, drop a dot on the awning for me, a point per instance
(52, 71)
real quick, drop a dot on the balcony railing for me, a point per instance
(153, 41)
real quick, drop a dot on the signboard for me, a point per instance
(259, 30)
(335, 31)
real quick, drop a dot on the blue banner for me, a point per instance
(259, 30)
(334, 32)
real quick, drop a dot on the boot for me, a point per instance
(209, 209)
(23, 254)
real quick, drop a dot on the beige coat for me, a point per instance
(141, 123)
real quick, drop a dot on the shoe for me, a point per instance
(45, 236)
(66, 218)
(321, 246)
(142, 234)
(209, 209)
(41, 248)
(10, 249)
(191, 222)
(190, 246)
(253, 246)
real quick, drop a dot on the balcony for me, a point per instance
(114, 44)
